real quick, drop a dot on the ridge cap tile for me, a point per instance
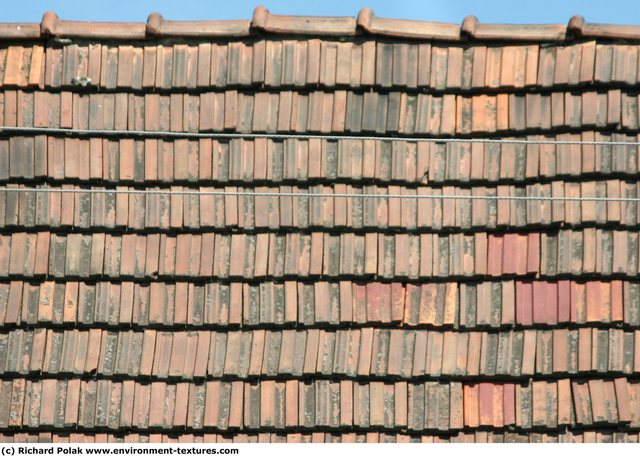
(366, 21)
(407, 28)
(158, 26)
(320, 25)
(582, 29)
(472, 27)
(52, 25)
(21, 30)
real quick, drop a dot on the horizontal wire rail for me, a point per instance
(296, 136)
(276, 136)
(223, 193)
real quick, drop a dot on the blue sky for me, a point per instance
(498, 11)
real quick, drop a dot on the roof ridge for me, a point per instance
(366, 23)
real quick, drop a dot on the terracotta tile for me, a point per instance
(511, 63)
(584, 349)
(564, 301)
(617, 360)
(593, 301)
(377, 399)
(551, 304)
(597, 400)
(5, 253)
(544, 352)
(212, 64)
(472, 405)
(48, 391)
(539, 400)
(488, 355)
(14, 74)
(41, 252)
(494, 255)
(591, 238)
(479, 119)
(512, 244)
(18, 257)
(622, 394)
(36, 71)
(617, 301)
(378, 301)
(10, 108)
(599, 352)
(481, 298)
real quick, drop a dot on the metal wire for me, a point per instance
(222, 193)
(296, 136)
(277, 136)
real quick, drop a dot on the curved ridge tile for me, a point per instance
(19, 30)
(583, 29)
(513, 32)
(52, 25)
(407, 28)
(302, 25)
(366, 22)
(157, 26)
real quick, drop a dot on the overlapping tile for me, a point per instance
(213, 162)
(301, 62)
(418, 407)
(327, 437)
(187, 317)
(395, 112)
(344, 354)
(565, 252)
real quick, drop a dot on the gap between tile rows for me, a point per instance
(443, 379)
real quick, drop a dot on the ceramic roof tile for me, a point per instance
(419, 320)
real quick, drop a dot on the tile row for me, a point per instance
(562, 252)
(322, 112)
(333, 354)
(238, 161)
(323, 208)
(276, 63)
(282, 405)
(277, 255)
(567, 436)
(488, 304)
